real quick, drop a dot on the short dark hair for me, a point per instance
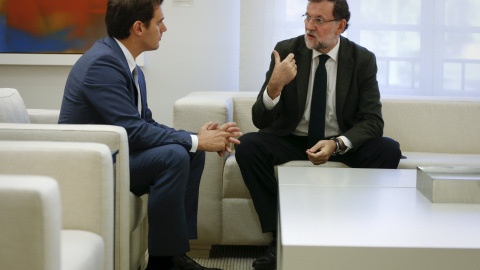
(121, 14)
(340, 10)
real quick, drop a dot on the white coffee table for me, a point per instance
(337, 218)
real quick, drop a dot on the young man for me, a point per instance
(105, 86)
(320, 103)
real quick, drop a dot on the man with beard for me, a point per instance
(321, 103)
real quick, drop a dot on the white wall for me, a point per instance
(199, 52)
(253, 43)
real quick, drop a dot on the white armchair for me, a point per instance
(31, 235)
(131, 227)
(84, 176)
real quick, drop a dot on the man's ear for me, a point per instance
(137, 28)
(341, 26)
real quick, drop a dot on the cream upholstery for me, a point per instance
(131, 227)
(429, 133)
(12, 108)
(80, 202)
(31, 223)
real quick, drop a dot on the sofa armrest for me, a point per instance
(84, 173)
(115, 138)
(197, 108)
(31, 222)
(43, 116)
(190, 113)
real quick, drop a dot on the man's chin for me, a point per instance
(309, 43)
(154, 48)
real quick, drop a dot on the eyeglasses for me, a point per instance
(317, 22)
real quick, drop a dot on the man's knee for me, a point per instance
(159, 165)
(390, 151)
(392, 147)
(177, 156)
(247, 144)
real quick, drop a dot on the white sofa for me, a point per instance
(84, 209)
(429, 133)
(131, 224)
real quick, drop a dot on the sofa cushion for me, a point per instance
(415, 159)
(233, 185)
(243, 113)
(81, 250)
(12, 108)
(138, 210)
(433, 126)
(240, 223)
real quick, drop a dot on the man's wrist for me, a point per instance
(273, 92)
(338, 146)
(194, 143)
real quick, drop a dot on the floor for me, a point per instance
(232, 257)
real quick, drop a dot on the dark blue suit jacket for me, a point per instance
(100, 90)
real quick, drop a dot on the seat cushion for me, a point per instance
(12, 108)
(233, 185)
(138, 210)
(81, 250)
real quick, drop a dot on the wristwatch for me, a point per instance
(339, 146)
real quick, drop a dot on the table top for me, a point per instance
(369, 208)
(346, 177)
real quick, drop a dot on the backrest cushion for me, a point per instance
(12, 108)
(434, 126)
(243, 112)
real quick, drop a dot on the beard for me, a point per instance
(318, 44)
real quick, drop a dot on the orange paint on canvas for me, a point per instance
(49, 16)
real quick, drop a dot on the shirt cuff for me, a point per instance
(347, 143)
(268, 102)
(194, 143)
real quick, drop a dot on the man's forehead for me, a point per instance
(320, 9)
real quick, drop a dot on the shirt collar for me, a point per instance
(128, 55)
(333, 53)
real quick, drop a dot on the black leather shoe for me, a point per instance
(183, 262)
(269, 260)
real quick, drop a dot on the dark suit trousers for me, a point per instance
(171, 176)
(259, 152)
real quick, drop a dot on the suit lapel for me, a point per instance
(141, 79)
(304, 64)
(344, 75)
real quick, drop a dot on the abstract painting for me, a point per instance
(51, 26)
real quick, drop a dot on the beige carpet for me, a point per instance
(232, 257)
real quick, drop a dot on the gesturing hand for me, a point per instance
(283, 73)
(217, 139)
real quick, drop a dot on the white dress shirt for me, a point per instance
(331, 123)
(132, 65)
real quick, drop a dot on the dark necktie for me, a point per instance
(316, 127)
(135, 78)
